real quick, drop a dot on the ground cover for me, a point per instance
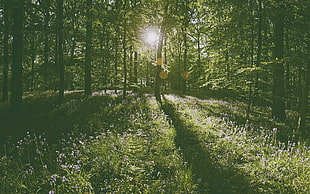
(129, 148)
(233, 157)
(104, 144)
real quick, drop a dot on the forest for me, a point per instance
(154, 96)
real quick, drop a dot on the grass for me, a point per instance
(103, 144)
(241, 158)
(132, 150)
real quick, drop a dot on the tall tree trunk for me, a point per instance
(304, 103)
(259, 47)
(106, 63)
(5, 82)
(116, 65)
(88, 54)
(199, 69)
(159, 53)
(17, 54)
(135, 69)
(184, 58)
(73, 42)
(124, 60)
(278, 108)
(61, 66)
(130, 69)
(302, 120)
(33, 57)
(46, 42)
(102, 64)
(159, 66)
(250, 103)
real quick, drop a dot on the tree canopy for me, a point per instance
(258, 48)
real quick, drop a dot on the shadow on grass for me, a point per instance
(236, 112)
(211, 177)
(41, 114)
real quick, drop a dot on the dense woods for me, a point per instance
(230, 81)
(258, 48)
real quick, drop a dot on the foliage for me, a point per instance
(121, 156)
(246, 157)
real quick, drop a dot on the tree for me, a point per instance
(278, 108)
(159, 61)
(59, 53)
(5, 51)
(88, 54)
(124, 49)
(17, 55)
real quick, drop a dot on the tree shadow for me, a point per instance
(236, 112)
(41, 114)
(210, 176)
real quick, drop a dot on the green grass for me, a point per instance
(130, 149)
(103, 144)
(247, 158)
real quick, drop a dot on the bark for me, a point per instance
(17, 54)
(159, 54)
(304, 105)
(88, 90)
(184, 58)
(278, 108)
(259, 47)
(33, 57)
(5, 82)
(135, 72)
(61, 66)
(46, 42)
(116, 65)
(124, 62)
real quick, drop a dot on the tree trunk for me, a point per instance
(5, 82)
(304, 109)
(33, 57)
(159, 54)
(124, 60)
(88, 53)
(259, 47)
(116, 65)
(61, 66)
(304, 104)
(17, 55)
(46, 43)
(250, 103)
(130, 69)
(184, 58)
(199, 66)
(278, 108)
(135, 71)
(159, 66)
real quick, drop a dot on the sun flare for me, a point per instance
(151, 36)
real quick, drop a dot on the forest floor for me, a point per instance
(186, 144)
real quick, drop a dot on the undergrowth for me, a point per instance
(130, 150)
(268, 165)
(103, 144)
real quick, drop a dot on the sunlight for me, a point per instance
(151, 36)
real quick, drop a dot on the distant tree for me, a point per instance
(17, 55)
(88, 52)
(6, 32)
(46, 51)
(278, 108)
(59, 53)
(124, 49)
(135, 71)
